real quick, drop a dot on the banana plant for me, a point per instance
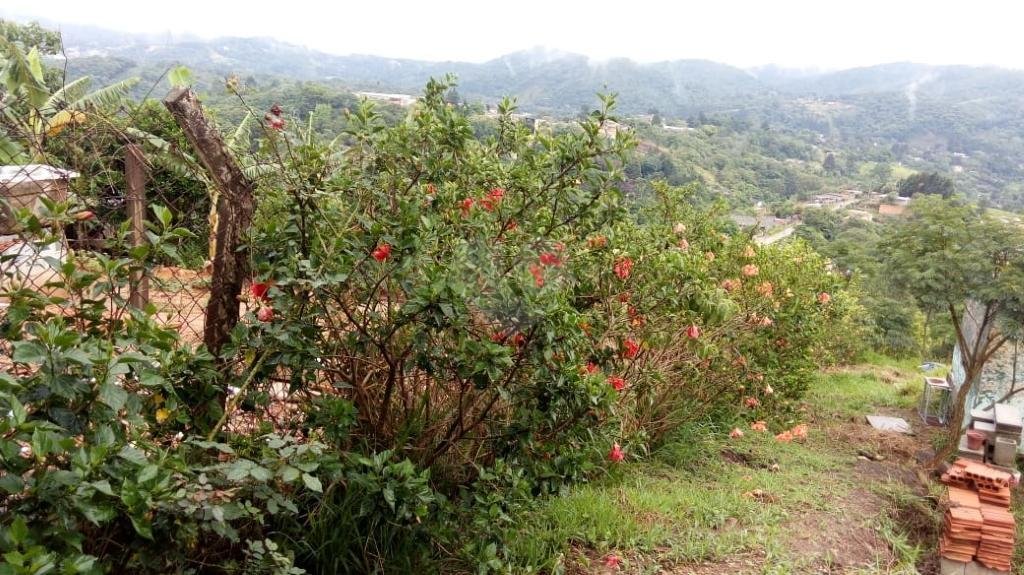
(31, 113)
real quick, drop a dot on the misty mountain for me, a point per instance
(545, 80)
(957, 119)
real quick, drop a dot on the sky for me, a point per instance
(821, 34)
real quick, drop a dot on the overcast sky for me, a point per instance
(794, 33)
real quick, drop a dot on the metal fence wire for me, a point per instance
(112, 179)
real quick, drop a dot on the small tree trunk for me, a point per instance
(235, 206)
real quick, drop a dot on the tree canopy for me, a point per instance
(926, 183)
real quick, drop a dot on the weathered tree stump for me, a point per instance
(234, 206)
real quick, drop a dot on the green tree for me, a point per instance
(956, 260)
(829, 165)
(880, 174)
(926, 183)
(30, 36)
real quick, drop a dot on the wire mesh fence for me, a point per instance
(74, 193)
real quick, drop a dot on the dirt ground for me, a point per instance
(846, 538)
(866, 503)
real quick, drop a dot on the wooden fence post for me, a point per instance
(235, 207)
(135, 178)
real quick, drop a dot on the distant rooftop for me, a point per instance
(33, 173)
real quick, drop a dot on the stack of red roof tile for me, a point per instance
(978, 522)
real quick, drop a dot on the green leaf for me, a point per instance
(312, 483)
(179, 77)
(133, 454)
(238, 470)
(29, 352)
(113, 396)
(103, 487)
(142, 526)
(163, 215)
(18, 413)
(18, 531)
(11, 483)
(151, 378)
(148, 473)
(80, 564)
(260, 473)
(289, 474)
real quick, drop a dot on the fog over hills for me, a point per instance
(542, 79)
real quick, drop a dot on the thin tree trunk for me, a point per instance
(235, 206)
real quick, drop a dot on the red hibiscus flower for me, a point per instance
(265, 314)
(630, 348)
(616, 454)
(617, 383)
(693, 332)
(492, 199)
(466, 206)
(382, 252)
(623, 267)
(550, 259)
(259, 290)
(591, 368)
(538, 275)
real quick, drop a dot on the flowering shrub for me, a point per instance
(493, 301)
(451, 324)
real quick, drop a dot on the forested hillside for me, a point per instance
(960, 121)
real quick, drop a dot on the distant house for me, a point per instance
(833, 200)
(404, 100)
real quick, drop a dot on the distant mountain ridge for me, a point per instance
(550, 81)
(961, 120)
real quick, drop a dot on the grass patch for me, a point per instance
(680, 514)
(858, 391)
(703, 497)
